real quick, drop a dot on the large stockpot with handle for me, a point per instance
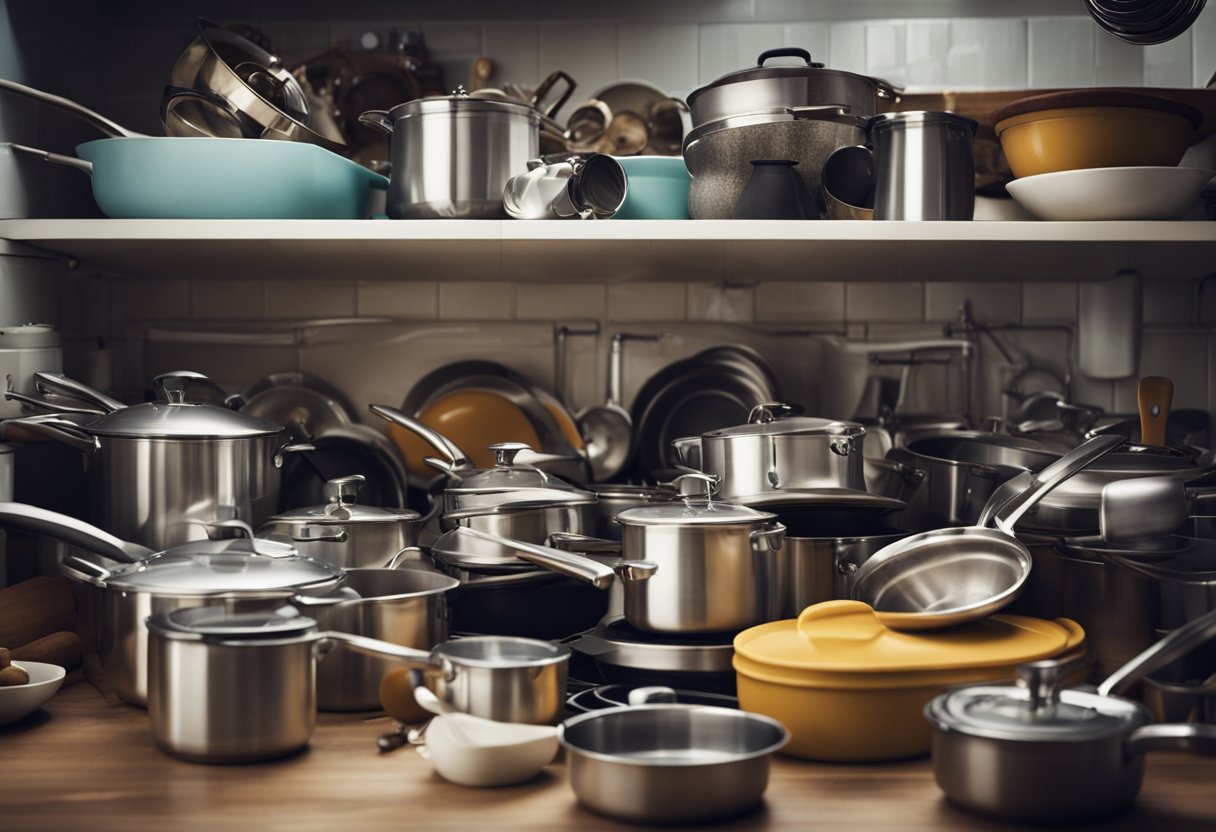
(240, 688)
(452, 155)
(803, 113)
(1034, 753)
(132, 582)
(161, 470)
(772, 453)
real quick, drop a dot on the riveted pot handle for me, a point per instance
(291, 448)
(378, 119)
(788, 52)
(70, 530)
(1197, 739)
(53, 426)
(409, 656)
(768, 539)
(555, 560)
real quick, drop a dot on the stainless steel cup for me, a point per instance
(924, 166)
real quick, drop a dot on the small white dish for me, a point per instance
(19, 701)
(471, 751)
(1133, 193)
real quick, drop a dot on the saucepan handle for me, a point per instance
(409, 656)
(1057, 472)
(1197, 739)
(1174, 646)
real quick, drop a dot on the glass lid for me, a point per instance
(342, 508)
(220, 623)
(226, 567)
(696, 507)
(175, 418)
(772, 419)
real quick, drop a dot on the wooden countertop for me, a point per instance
(88, 763)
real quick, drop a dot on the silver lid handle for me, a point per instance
(176, 383)
(505, 452)
(1042, 681)
(766, 412)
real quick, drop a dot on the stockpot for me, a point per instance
(161, 470)
(772, 453)
(961, 471)
(344, 533)
(131, 583)
(452, 155)
(803, 113)
(241, 688)
(1032, 752)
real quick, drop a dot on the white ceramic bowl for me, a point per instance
(472, 751)
(1135, 193)
(19, 701)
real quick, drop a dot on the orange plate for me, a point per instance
(474, 420)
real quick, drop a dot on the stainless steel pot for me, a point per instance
(1035, 753)
(670, 763)
(132, 583)
(924, 166)
(453, 155)
(240, 688)
(716, 564)
(407, 607)
(159, 471)
(767, 87)
(344, 533)
(613, 498)
(771, 454)
(962, 469)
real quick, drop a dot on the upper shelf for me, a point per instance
(566, 251)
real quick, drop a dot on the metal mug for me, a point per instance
(924, 165)
(591, 186)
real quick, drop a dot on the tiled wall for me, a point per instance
(940, 44)
(119, 52)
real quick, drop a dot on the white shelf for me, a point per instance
(612, 251)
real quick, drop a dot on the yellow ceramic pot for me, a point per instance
(1092, 137)
(848, 689)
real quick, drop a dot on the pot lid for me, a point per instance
(342, 510)
(768, 419)
(760, 72)
(812, 499)
(28, 336)
(175, 418)
(1035, 710)
(509, 481)
(218, 624)
(693, 509)
(461, 551)
(226, 567)
(460, 101)
(843, 644)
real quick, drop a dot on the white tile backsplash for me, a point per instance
(1203, 46)
(588, 51)
(1169, 64)
(928, 51)
(813, 37)
(665, 54)
(1062, 52)
(886, 51)
(883, 301)
(987, 54)
(729, 47)
(991, 302)
(800, 303)
(476, 301)
(647, 302)
(847, 46)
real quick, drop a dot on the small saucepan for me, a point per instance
(1031, 752)
(226, 687)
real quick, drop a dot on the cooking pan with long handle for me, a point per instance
(160, 177)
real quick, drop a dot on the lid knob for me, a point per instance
(505, 452)
(766, 412)
(695, 486)
(1042, 680)
(342, 492)
(176, 383)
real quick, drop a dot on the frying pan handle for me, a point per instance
(457, 458)
(54, 158)
(1042, 483)
(555, 560)
(96, 119)
(1174, 646)
(70, 530)
(64, 386)
(1197, 739)
(547, 85)
(54, 426)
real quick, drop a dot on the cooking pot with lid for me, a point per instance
(803, 113)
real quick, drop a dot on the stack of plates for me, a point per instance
(1145, 22)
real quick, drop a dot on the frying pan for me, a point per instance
(161, 177)
(435, 392)
(711, 390)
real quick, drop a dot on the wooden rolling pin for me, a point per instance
(35, 608)
(63, 649)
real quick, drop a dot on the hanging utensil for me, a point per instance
(608, 428)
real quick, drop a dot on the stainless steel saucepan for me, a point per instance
(1032, 752)
(229, 687)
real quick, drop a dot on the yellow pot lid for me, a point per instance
(834, 639)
